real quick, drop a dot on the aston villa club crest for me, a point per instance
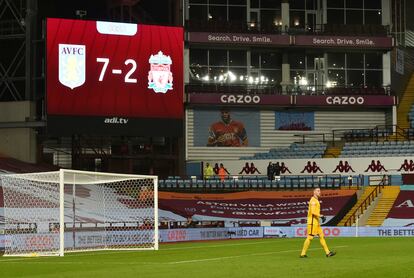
(160, 76)
(72, 65)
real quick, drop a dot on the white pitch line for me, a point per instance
(15, 260)
(74, 254)
(166, 249)
(246, 255)
(214, 246)
(36, 261)
(83, 263)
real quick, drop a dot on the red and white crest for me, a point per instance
(160, 76)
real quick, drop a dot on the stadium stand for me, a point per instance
(411, 116)
(12, 165)
(341, 86)
(295, 150)
(386, 148)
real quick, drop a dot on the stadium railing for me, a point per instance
(231, 26)
(257, 27)
(245, 183)
(216, 224)
(364, 205)
(190, 224)
(272, 88)
(376, 134)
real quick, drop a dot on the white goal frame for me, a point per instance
(111, 178)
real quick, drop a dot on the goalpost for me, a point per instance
(52, 213)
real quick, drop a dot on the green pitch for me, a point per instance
(357, 257)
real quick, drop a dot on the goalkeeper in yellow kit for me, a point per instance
(314, 226)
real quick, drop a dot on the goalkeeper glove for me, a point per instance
(323, 217)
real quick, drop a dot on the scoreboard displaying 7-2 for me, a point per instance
(114, 78)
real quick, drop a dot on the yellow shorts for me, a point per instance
(315, 229)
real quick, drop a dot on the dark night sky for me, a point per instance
(151, 11)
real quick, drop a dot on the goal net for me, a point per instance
(52, 213)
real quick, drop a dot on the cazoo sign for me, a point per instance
(345, 100)
(240, 99)
(287, 100)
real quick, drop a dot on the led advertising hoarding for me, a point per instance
(114, 78)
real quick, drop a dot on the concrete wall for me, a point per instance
(19, 143)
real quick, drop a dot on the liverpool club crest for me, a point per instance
(160, 76)
(72, 65)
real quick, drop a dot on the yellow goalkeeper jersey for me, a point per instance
(314, 211)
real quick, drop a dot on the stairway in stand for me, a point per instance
(405, 103)
(368, 190)
(389, 195)
(332, 152)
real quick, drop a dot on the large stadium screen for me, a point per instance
(114, 78)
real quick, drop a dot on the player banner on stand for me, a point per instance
(226, 128)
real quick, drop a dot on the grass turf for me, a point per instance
(357, 257)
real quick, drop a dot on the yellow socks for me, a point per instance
(306, 246)
(323, 243)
